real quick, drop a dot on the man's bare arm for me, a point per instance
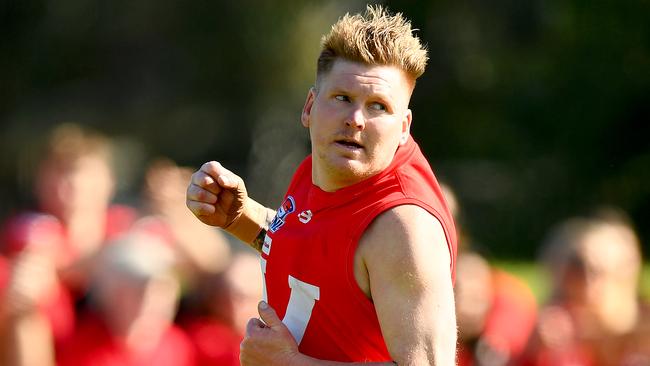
(408, 264)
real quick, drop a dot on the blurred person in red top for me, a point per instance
(223, 304)
(594, 315)
(495, 310)
(212, 281)
(134, 293)
(201, 249)
(496, 313)
(50, 248)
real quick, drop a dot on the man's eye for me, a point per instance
(377, 107)
(342, 98)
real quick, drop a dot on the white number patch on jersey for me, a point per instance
(301, 303)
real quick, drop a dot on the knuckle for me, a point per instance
(211, 166)
(193, 192)
(204, 196)
(205, 180)
(190, 190)
(197, 208)
(196, 177)
(203, 210)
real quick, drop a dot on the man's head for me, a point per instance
(474, 294)
(596, 262)
(75, 175)
(357, 113)
(135, 288)
(374, 38)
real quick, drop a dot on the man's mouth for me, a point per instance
(349, 144)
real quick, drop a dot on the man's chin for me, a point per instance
(347, 165)
(352, 171)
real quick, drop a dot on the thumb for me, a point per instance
(269, 315)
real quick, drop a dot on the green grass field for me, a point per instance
(538, 282)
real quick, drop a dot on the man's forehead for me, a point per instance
(383, 79)
(383, 72)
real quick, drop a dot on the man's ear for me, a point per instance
(306, 110)
(406, 127)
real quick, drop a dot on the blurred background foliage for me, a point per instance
(531, 110)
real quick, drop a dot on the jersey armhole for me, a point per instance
(363, 225)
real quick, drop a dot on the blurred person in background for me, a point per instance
(495, 310)
(594, 315)
(202, 250)
(363, 244)
(51, 247)
(36, 309)
(133, 297)
(496, 313)
(222, 305)
(205, 261)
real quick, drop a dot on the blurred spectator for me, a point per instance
(223, 305)
(51, 248)
(36, 309)
(464, 241)
(134, 292)
(202, 249)
(496, 313)
(204, 254)
(74, 183)
(594, 316)
(495, 310)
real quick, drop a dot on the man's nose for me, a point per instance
(356, 119)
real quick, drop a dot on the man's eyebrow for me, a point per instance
(341, 90)
(382, 97)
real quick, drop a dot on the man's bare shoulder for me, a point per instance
(400, 225)
(407, 259)
(405, 236)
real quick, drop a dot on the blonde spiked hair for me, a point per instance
(374, 38)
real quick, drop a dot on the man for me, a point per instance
(358, 261)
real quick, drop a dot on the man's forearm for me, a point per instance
(250, 227)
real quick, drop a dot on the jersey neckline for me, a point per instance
(319, 199)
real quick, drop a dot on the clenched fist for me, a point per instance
(216, 195)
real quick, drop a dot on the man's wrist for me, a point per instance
(258, 242)
(252, 223)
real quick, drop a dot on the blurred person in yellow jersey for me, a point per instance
(359, 260)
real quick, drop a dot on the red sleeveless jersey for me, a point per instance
(308, 255)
